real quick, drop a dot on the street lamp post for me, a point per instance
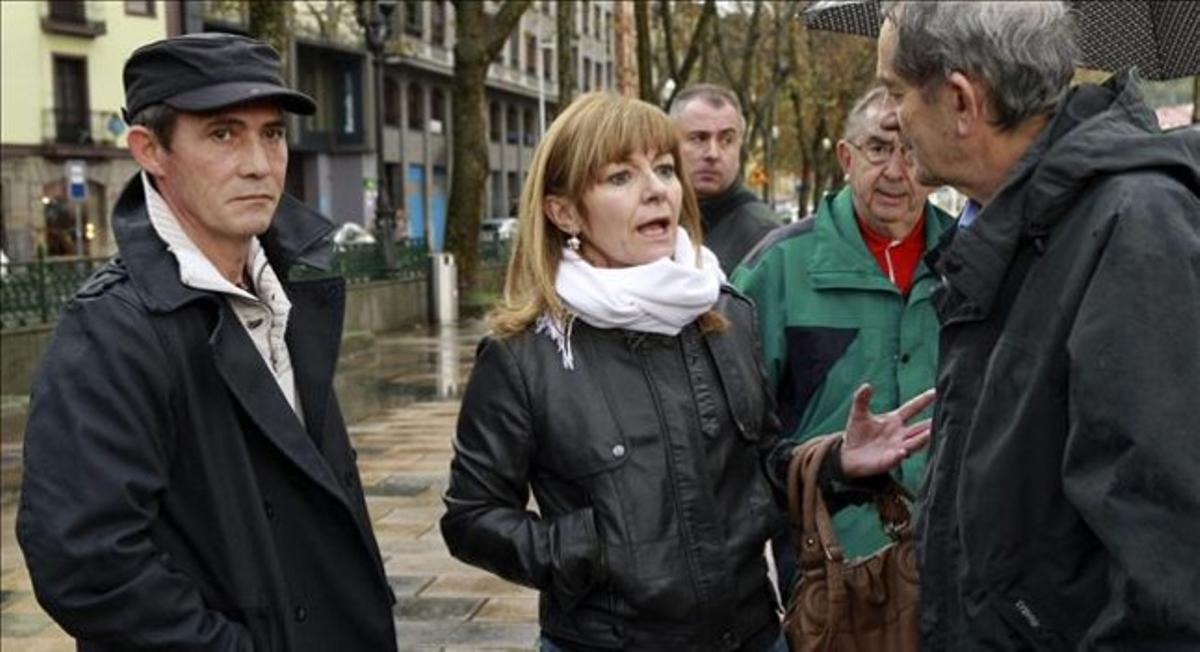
(373, 17)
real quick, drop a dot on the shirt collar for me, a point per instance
(195, 269)
(969, 212)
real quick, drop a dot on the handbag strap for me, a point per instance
(807, 507)
(812, 528)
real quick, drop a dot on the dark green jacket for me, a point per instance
(829, 320)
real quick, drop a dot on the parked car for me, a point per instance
(498, 229)
(351, 233)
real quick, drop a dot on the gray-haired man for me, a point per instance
(1061, 509)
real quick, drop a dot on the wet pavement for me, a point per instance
(400, 392)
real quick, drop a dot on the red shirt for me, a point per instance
(897, 258)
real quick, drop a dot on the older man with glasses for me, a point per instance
(843, 299)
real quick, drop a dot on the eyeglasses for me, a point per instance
(879, 152)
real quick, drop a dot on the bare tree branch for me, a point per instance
(696, 45)
(500, 26)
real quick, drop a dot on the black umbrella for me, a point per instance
(1160, 37)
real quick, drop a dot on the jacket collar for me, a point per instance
(841, 258)
(715, 209)
(1064, 158)
(297, 234)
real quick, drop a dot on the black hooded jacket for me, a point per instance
(1062, 504)
(734, 221)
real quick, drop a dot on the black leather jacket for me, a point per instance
(647, 464)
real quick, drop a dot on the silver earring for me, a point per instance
(573, 242)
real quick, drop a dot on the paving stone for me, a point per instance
(397, 485)
(508, 609)
(475, 584)
(477, 636)
(408, 585)
(412, 636)
(19, 625)
(422, 609)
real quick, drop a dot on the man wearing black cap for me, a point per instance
(189, 484)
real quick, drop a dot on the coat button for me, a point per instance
(269, 509)
(729, 639)
(904, 359)
(618, 450)
(301, 614)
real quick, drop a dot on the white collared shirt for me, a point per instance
(264, 315)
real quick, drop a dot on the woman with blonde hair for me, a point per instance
(622, 385)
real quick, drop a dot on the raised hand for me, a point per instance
(876, 443)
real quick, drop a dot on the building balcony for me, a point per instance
(82, 128)
(73, 18)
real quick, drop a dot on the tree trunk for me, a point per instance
(565, 20)
(645, 58)
(268, 21)
(479, 40)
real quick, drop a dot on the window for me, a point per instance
(413, 18)
(587, 75)
(71, 100)
(512, 130)
(68, 11)
(494, 122)
(530, 128)
(437, 110)
(514, 193)
(599, 75)
(531, 55)
(437, 25)
(583, 9)
(497, 195)
(608, 32)
(139, 7)
(514, 51)
(416, 107)
(608, 69)
(548, 64)
(596, 20)
(391, 101)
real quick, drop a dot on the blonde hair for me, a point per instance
(594, 130)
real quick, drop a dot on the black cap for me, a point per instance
(205, 72)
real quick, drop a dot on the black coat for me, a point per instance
(647, 462)
(171, 498)
(735, 221)
(1062, 505)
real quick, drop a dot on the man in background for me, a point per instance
(734, 219)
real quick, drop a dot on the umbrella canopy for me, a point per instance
(1159, 37)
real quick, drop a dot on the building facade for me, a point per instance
(418, 87)
(66, 108)
(63, 158)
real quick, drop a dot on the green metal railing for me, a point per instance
(34, 292)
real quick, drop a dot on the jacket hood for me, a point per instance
(297, 234)
(1102, 130)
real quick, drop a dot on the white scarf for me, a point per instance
(659, 297)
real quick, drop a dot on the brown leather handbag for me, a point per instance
(869, 604)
